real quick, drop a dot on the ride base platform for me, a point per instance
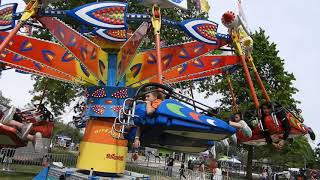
(74, 174)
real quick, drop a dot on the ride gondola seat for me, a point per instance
(9, 137)
(297, 129)
(175, 118)
(44, 127)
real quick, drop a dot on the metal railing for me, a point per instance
(164, 173)
(10, 160)
(28, 162)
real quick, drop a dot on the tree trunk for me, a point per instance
(249, 163)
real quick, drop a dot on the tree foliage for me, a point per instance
(54, 94)
(4, 100)
(62, 129)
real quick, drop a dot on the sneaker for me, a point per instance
(38, 144)
(8, 115)
(311, 134)
(233, 139)
(26, 128)
(58, 164)
(225, 143)
(245, 129)
(213, 151)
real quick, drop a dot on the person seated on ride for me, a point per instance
(269, 126)
(297, 113)
(310, 132)
(240, 124)
(82, 119)
(7, 118)
(152, 100)
(34, 114)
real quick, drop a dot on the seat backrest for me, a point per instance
(9, 137)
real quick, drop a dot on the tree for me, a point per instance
(54, 94)
(62, 129)
(57, 101)
(279, 84)
(4, 100)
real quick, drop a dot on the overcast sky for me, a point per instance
(291, 24)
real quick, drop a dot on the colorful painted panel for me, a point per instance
(106, 44)
(182, 4)
(6, 16)
(106, 15)
(201, 30)
(116, 35)
(144, 65)
(107, 101)
(87, 52)
(199, 76)
(129, 49)
(49, 54)
(200, 66)
(26, 65)
(175, 109)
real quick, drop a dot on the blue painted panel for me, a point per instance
(176, 115)
(103, 98)
(112, 71)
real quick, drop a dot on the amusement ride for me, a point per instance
(118, 76)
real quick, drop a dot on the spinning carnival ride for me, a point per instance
(110, 64)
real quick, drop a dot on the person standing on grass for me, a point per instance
(170, 166)
(190, 168)
(181, 171)
(202, 171)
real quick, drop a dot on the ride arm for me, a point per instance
(30, 11)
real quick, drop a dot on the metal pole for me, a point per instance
(159, 61)
(29, 12)
(156, 23)
(235, 38)
(232, 95)
(10, 36)
(251, 63)
(191, 93)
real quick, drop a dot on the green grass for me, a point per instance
(63, 151)
(16, 176)
(21, 172)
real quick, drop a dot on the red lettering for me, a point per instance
(114, 157)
